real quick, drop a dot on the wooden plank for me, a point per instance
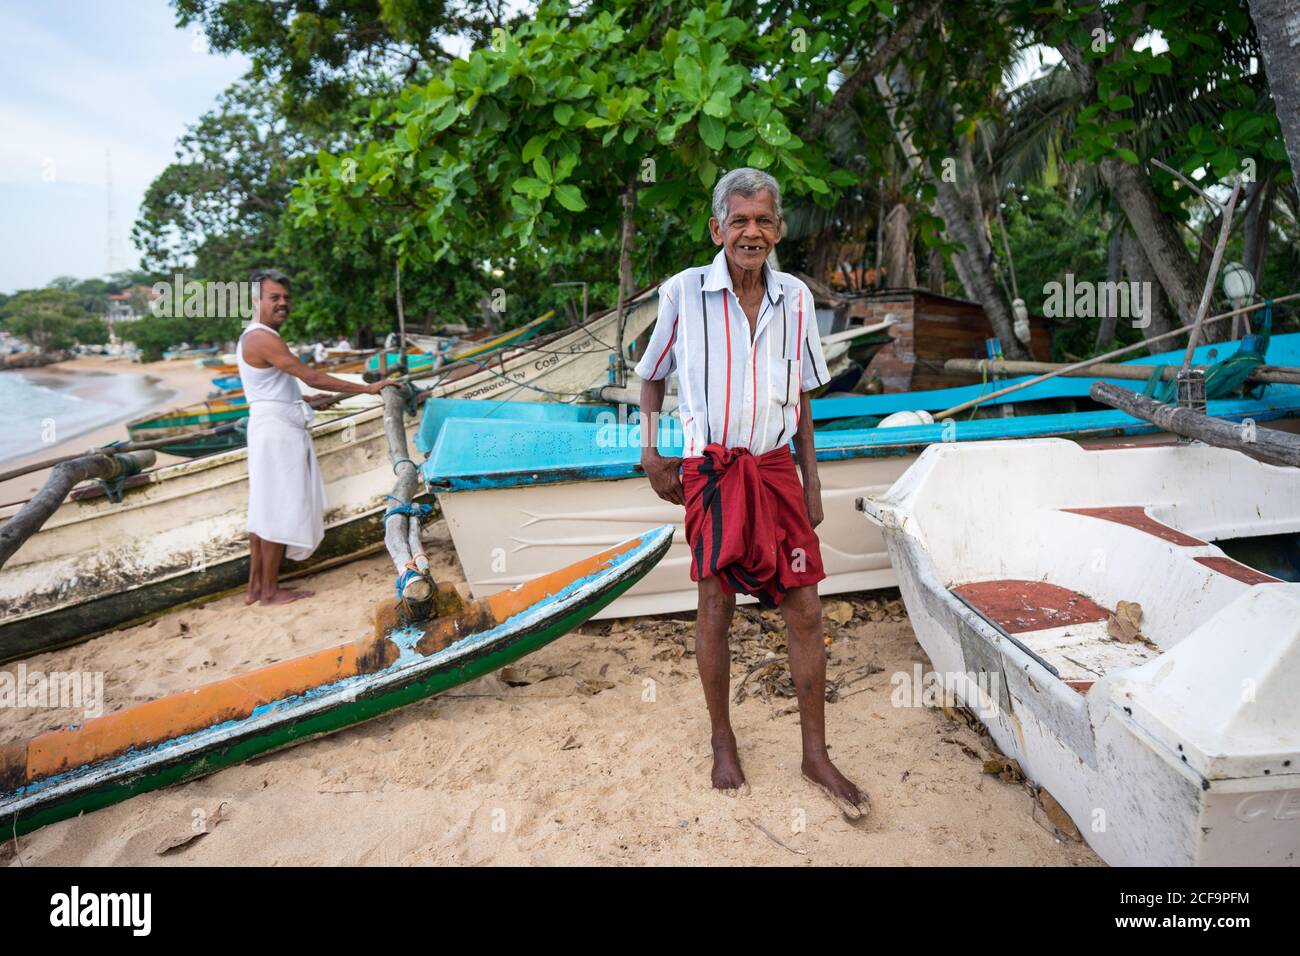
(1263, 444)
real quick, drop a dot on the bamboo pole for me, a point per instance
(939, 416)
(1225, 210)
(1263, 444)
(1262, 375)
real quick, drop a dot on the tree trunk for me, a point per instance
(897, 39)
(63, 478)
(1114, 270)
(1132, 190)
(1161, 242)
(900, 264)
(1258, 218)
(1277, 22)
(1139, 270)
(935, 278)
(974, 263)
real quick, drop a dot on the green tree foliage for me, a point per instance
(532, 142)
(52, 319)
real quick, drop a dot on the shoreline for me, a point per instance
(172, 384)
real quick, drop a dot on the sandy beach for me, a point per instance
(593, 750)
(167, 385)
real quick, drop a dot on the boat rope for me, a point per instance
(411, 509)
(125, 467)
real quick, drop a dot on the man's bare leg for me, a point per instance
(713, 657)
(802, 610)
(272, 593)
(254, 569)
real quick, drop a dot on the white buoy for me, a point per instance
(903, 419)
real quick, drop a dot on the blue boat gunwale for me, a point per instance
(451, 466)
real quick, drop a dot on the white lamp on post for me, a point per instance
(1239, 287)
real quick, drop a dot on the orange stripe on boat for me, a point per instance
(151, 723)
(505, 604)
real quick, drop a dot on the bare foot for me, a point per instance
(285, 596)
(727, 774)
(253, 596)
(843, 792)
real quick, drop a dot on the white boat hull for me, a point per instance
(175, 536)
(1180, 751)
(504, 536)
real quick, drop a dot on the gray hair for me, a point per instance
(274, 275)
(748, 182)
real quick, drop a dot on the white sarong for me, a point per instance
(286, 494)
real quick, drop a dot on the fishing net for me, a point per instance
(1227, 377)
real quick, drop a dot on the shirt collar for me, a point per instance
(719, 277)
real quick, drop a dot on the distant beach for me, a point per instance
(77, 405)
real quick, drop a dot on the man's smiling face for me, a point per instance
(273, 306)
(750, 231)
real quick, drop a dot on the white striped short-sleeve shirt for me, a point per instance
(731, 390)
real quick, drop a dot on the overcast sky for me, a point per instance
(80, 79)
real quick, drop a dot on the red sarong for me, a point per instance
(747, 524)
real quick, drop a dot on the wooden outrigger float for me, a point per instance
(149, 746)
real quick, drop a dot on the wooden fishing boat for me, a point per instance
(565, 364)
(1029, 567)
(177, 535)
(561, 367)
(531, 485)
(523, 333)
(153, 745)
(230, 407)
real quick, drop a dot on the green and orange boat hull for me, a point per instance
(149, 746)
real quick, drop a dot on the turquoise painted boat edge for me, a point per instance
(504, 447)
(474, 656)
(1283, 350)
(491, 453)
(438, 411)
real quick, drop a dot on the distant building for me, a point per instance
(129, 304)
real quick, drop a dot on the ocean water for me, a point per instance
(40, 408)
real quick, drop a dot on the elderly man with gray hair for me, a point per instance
(743, 340)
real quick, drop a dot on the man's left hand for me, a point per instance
(812, 498)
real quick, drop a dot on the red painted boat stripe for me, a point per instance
(1235, 569)
(1135, 516)
(1082, 686)
(1019, 606)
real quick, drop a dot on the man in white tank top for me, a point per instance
(286, 496)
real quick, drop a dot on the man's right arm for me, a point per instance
(661, 471)
(272, 350)
(654, 369)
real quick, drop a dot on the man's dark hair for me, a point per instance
(275, 275)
